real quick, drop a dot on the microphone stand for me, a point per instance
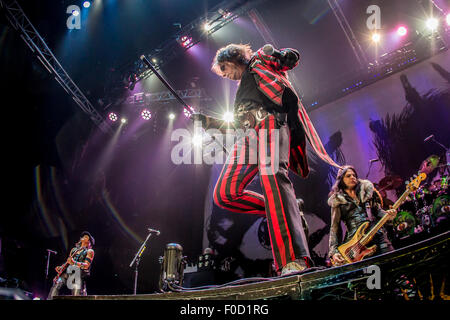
(137, 259)
(440, 144)
(49, 252)
(368, 171)
(175, 94)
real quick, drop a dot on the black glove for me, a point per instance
(291, 57)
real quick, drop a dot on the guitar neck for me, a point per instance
(368, 237)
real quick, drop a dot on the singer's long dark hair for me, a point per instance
(239, 54)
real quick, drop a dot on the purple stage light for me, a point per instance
(185, 41)
(402, 31)
(113, 117)
(188, 111)
(146, 114)
(447, 19)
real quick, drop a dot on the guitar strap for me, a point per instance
(369, 211)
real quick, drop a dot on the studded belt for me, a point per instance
(249, 115)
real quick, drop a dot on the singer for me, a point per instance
(266, 96)
(354, 201)
(80, 256)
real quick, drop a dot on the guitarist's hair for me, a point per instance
(339, 183)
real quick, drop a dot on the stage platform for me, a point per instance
(416, 272)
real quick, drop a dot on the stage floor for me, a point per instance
(405, 275)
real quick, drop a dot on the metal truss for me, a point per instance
(218, 17)
(142, 98)
(37, 45)
(354, 43)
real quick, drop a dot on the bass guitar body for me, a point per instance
(353, 250)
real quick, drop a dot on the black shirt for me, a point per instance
(249, 92)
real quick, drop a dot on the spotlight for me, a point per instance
(225, 13)
(188, 111)
(185, 41)
(447, 19)
(207, 26)
(432, 24)
(87, 4)
(112, 116)
(171, 116)
(123, 120)
(154, 60)
(228, 117)
(376, 37)
(146, 114)
(402, 31)
(75, 12)
(197, 140)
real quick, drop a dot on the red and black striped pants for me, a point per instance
(278, 201)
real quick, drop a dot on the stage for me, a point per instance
(414, 272)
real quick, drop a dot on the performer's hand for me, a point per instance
(392, 213)
(70, 260)
(338, 259)
(290, 58)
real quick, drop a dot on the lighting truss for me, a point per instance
(142, 98)
(220, 16)
(37, 45)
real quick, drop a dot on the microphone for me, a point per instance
(374, 160)
(269, 50)
(428, 138)
(154, 231)
(51, 251)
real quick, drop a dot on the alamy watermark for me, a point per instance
(74, 277)
(247, 147)
(373, 22)
(374, 280)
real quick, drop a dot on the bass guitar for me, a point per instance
(355, 249)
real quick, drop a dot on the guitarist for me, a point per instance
(354, 202)
(80, 256)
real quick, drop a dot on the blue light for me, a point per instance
(87, 4)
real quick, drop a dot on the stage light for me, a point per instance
(225, 13)
(146, 114)
(112, 116)
(123, 120)
(228, 117)
(376, 37)
(197, 140)
(185, 41)
(154, 60)
(432, 24)
(171, 116)
(87, 4)
(207, 26)
(447, 19)
(75, 12)
(188, 111)
(402, 31)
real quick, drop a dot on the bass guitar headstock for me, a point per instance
(415, 181)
